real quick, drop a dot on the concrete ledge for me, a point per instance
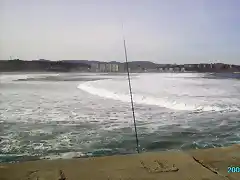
(208, 164)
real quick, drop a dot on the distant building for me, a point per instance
(190, 65)
(204, 66)
(182, 69)
(102, 67)
(176, 69)
(108, 67)
(94, 67)
(121, 67)
(114, 68)
(218, 66)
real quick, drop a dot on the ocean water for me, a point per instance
(69, 115)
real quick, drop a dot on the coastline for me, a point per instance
(207, 164)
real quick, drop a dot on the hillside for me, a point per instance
(43, 65)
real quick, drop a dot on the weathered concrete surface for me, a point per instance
(210, 164)
(218, 160)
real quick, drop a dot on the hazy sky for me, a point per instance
(163, 31)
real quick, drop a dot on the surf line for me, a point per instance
(130, 92)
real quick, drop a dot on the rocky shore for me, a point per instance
(207, 164)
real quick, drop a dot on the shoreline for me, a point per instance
(202, 164)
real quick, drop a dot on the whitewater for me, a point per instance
(173, 91)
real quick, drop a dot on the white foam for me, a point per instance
(7, 78)
(67, 155)
(168, 96)
(13, 77)
(37, 132)
(223, 123)
(145, 100)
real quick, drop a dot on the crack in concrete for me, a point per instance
(211, 169)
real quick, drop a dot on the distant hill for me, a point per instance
(80, 61)
(142, 64)
(41, 65)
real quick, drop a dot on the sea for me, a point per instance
(72, 115)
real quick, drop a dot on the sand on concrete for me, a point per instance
(208, 164)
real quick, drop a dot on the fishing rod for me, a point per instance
(130, 91)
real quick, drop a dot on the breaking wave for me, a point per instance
(169, 101)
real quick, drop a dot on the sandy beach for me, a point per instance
(208, 164)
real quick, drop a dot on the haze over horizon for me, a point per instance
(162, 31)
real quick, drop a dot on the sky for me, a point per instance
(162, 31)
